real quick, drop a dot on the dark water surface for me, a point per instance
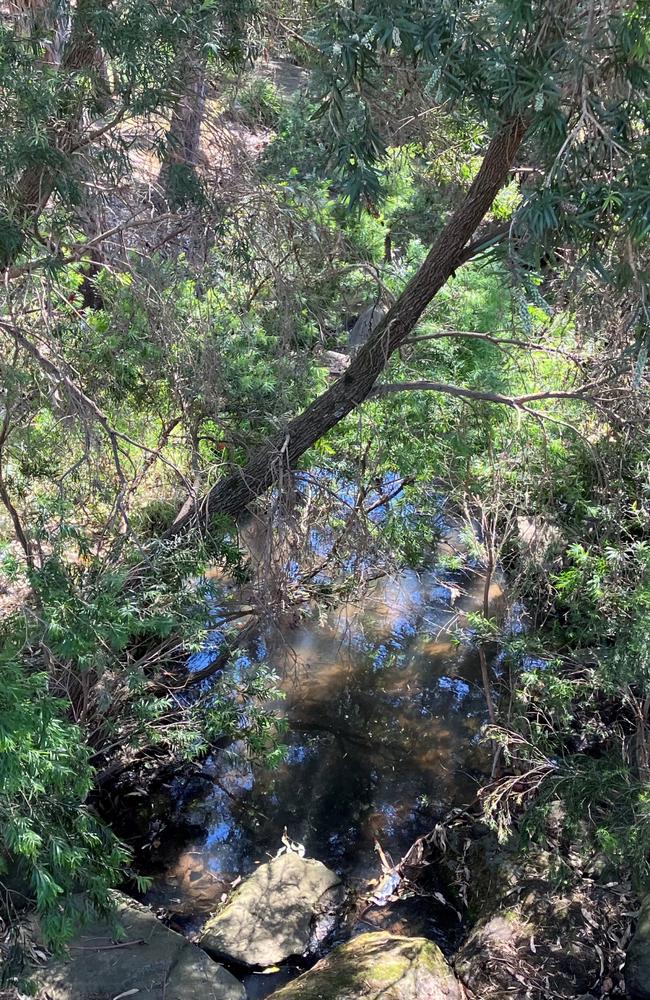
(383, 713)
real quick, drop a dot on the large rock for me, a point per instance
(271, 916)
(368, 321)
(540, 542)
(151, 961)
(637, 960)
(377, 966)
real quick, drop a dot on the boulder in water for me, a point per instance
(377, 966)
(271, 916)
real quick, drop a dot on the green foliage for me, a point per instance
(298, 148)
(258, 103)
(460, 54)
(97, 635)
(582, 671)
(51, 842)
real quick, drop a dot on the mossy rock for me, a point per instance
(377, 966)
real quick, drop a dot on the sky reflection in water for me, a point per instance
(383, 711)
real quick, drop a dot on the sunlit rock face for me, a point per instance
(270, 917)
(377, 966)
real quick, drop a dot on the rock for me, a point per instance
(284, 74)
(157, 964)
(377, 966)
(637, 960)
(494, 873)
(270, 917)
(368, 321)
(335, 361)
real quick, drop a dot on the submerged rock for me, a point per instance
(377, 966)
(270, 917)
(637, 960)
(149, 961)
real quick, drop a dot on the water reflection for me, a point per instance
(382, 709)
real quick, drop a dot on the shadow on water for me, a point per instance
(383, 712)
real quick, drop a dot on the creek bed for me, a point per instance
(383, 715)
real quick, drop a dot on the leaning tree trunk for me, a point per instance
(230, 496)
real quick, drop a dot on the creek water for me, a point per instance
(383, 713)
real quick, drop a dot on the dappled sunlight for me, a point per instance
(381, 716)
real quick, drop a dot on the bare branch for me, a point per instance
(517, 402)
(501, 342)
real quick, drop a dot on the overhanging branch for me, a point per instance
(479, 395)
(455, 244)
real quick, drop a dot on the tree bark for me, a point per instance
(81, 54)
(184, 136)
(230, 496)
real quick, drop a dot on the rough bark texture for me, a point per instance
(233, 493)
(183, 139)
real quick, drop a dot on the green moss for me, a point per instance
(434, 960)
(370, 965)
(388, 970)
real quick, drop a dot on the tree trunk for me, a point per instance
(81, 54)
(45, 22)
(230, 496)
(184, 136)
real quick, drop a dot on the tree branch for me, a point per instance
(518, 402)
(527, 345)
(231, 495)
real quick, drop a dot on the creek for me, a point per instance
(383, 711)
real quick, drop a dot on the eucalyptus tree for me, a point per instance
(229, 38)
(559, 85)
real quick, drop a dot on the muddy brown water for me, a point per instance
(383, 714)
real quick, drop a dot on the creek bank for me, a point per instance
(274, 914)
(529, 939)
(534, 935)
(377, 966)
(149, 961)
